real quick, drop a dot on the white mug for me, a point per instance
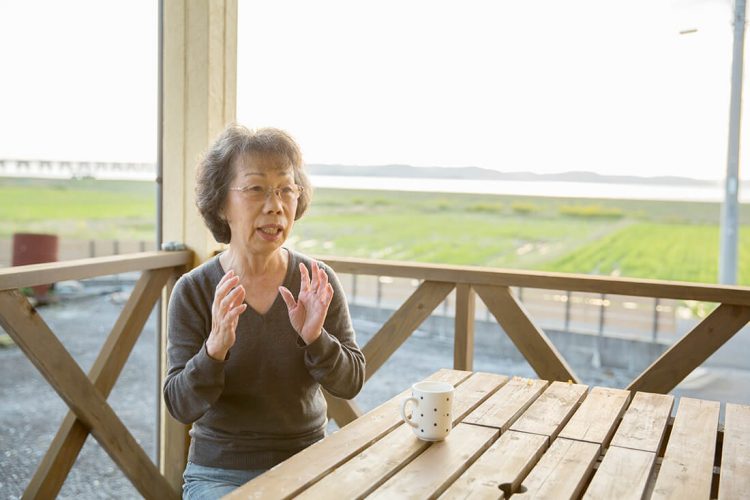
(432, 416)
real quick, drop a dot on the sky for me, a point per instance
(609, 86)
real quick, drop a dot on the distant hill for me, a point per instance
(487, 174)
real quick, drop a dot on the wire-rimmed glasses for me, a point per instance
(258, 193)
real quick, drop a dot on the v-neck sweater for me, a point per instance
(263, 403)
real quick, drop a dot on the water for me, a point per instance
(704, 193)
(707, 193)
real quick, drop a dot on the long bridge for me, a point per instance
(77, 169)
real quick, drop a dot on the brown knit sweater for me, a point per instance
(263, 403)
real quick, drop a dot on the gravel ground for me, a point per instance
(30, 411)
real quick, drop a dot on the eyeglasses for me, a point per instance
(257, 193)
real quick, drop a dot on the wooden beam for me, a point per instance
(199, 75)
(690, 351)
(476, 275)
(12, 278)
(463, 345)
(402, 324)
(62, 453)
(45, 351)
(343, 411)
(528, 338)
(200, 81)
(174, 440)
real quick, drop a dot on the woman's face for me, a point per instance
(261, 203)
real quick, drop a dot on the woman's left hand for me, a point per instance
(308, 312)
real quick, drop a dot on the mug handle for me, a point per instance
(403, 411)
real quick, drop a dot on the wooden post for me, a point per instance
(463, 345)
(199, 78)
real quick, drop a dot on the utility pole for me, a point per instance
(729, 209)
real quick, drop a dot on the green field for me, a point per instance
(85, 209)
(647, 239)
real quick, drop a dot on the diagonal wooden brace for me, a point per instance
(47, 353)
(65, 447)
(528, 338)
(402, 324)
(690, 351)
(343, 411)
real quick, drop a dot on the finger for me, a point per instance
(233, 298)
(328, 295)
(315, 275)
(241, 294)
(231, 319)
(322, 279)
(304, 278)
(235, 312)
(291, 304)
(227, 275)
(223, 288)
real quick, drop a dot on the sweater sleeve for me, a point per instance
(194, 380)
(334, 360)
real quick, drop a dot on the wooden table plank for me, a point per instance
(505, 463)
(307, 466)
(644, 422)
(551, 410)
(622, 475)
(687, 468)
(375, 465)
(596, 418)
(734, 479)
(475, 391)
(562, 471)
(507, 404)
(429, 474)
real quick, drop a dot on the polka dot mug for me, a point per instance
(432, 416)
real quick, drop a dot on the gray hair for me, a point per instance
(215, 171)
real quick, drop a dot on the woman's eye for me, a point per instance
(256, 189)
(287, 190)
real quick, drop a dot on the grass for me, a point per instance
(83, 208)
(648, 239)
(659, 251)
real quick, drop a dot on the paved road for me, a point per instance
(30, 411)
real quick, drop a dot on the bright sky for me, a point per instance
(546, 86)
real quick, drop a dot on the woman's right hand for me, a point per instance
(225, 313)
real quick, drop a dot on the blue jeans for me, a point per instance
(209, 483)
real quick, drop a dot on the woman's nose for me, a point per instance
(273, 203)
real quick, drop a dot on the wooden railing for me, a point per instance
(86, 395)
(493, 287)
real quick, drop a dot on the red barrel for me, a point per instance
(30, 248)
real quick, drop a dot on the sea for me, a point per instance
(713, 192)
(564, 189)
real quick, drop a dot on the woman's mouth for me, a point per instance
(270, 232)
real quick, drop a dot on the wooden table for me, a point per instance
(532, 439)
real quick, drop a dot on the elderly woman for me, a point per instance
(246, 358)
